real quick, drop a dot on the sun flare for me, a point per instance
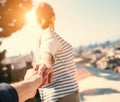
(30, 16)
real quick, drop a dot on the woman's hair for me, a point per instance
(44, 10)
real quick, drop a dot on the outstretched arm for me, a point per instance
(27, 88)
(47, 60)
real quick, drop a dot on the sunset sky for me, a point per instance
(80, 22)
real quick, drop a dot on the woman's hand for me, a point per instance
(47, 75)
(47, 61)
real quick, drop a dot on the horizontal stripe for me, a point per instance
(65, 66)
(65, 51)
(64, 71)
(59, 93)
(60, 88)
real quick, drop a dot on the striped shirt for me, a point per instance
(65, 72)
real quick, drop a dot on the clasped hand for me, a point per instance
(47, 74)
(40, 74)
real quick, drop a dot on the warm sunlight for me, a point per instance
(30, 16)
(1, 29)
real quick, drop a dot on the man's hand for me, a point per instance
(32, 81)
(36, 76)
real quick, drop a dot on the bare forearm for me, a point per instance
(25, 90)
(47, 59)
(32, 81)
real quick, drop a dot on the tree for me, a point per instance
(12, 18)
(12, 15)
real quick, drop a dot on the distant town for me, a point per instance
(104, 56)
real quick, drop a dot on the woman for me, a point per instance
(57, 54)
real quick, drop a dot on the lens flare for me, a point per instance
(30, 16)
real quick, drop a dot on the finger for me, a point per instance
(44, 82)
(36, 67)
(46, 72)
(42, 67)
(50, 79)
(42, 70)
(41, 74)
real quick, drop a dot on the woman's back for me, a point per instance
(65, 73)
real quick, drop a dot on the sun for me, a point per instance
(30, 16)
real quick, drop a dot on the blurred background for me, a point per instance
(92, 27)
